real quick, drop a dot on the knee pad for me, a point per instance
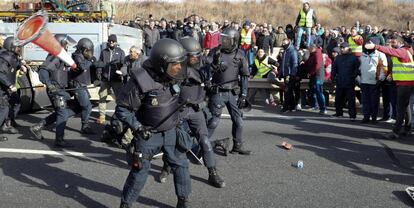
(59, 102)
(205, 144)
(213, 122)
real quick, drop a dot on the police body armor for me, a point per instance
(12, 63)
(157, 102)
(229, 70)
(192, 90)
(83, 75)
(57, 70)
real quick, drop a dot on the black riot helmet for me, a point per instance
(85, 45)
(193, 48)
(168, 57)
(9, 45)
(229, 40)
(65, 40)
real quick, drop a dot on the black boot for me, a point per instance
(86, 129)
(14, 124)
(223, 143)
(183, 203)
(8, 128)
(60, 142)
(124, 205)
(36, 130)
(166, 170)
(214, 179)
(238, 148)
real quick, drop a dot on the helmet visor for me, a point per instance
(227, 42)
(67, 42)
(177, 70)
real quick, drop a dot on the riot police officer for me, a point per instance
(148, 104)
(9, 64)
(54, 74)
(81, 78)
(193, 91)
(228, 63)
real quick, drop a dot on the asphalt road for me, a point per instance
(346, 164)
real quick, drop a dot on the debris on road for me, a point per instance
(287, 145)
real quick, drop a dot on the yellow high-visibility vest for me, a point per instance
(246, 37)
(353, 46)
(306, 19)
(262, 68)
(402, 71)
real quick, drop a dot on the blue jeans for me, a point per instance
(318, 95)
(370, 101)
(165, 142)
(300, 33)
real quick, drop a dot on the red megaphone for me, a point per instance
(34, 30)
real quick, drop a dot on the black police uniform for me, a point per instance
(9, 64)
(81, 78)
(231, 69)
(54, 74)
(149, 104)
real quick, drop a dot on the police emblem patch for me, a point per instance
(154, 101)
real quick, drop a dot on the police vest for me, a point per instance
(262, 67)
(229, 70)
(353, 46)
(246, 37)
(402, 71)
(192, 91)
(306, 19)
(157, 102)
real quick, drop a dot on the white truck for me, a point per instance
(36, 98)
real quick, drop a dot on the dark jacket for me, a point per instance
(178, 34)
(164, 33)
(289, 66)
(151, 36)
(9, 64)
(132, 65)
(325, 42)
(82, 75)
(345, 69)
(265, 42)
(113, 60)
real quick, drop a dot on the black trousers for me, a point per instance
(403, 110)
(343, 94)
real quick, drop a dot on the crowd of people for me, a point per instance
(182, 63)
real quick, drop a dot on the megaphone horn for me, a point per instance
(34, 30)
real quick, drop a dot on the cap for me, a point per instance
(112, 38)
(344, 45)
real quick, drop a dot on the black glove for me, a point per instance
(216, 56)
(52, 88)
(99, 74)
(241, 102)
(93, 59)
(143, 132)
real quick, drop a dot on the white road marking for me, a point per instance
(269, 115)
(51, 152)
